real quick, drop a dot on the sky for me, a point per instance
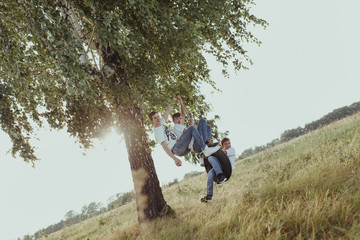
(306, 67)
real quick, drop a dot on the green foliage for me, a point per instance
(70, 214)
(90, 209)
(121, 199)
(78, 64)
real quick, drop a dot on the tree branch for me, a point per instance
(76, 29)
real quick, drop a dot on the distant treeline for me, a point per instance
(93, 209)
(335, 115)
(87, 211)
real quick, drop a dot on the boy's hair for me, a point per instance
(150, 115)
(225, 139)
(175, 115)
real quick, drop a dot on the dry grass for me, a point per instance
(307, 188)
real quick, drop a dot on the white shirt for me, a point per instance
(231, 155)
(179, 130)
(163, 133)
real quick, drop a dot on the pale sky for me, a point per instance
(306, 67)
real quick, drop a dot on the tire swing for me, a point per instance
(224, 163)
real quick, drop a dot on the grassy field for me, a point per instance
(307, 188)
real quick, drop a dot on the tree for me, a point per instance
(70, 214)
(92, 208)
(92, 65)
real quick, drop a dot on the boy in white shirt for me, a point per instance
(179, 125)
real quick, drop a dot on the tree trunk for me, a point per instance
(149, 198)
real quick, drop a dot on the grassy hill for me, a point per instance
(307, 188)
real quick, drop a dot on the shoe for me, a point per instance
(201, 160)
(211, 144)
(221, 178)
(207, 199)
(210, 150)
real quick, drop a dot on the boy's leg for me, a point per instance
(181, 146)
(208, 131)
(215, 164)
(209, 187)
(210, 182)
(182, 143)
(204, 129)
(198, 145)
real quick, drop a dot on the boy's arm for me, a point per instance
(183, 111)
(168, 151)
(167, 111)
(191, 121)
(230, 152)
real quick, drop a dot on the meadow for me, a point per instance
(307, 188)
